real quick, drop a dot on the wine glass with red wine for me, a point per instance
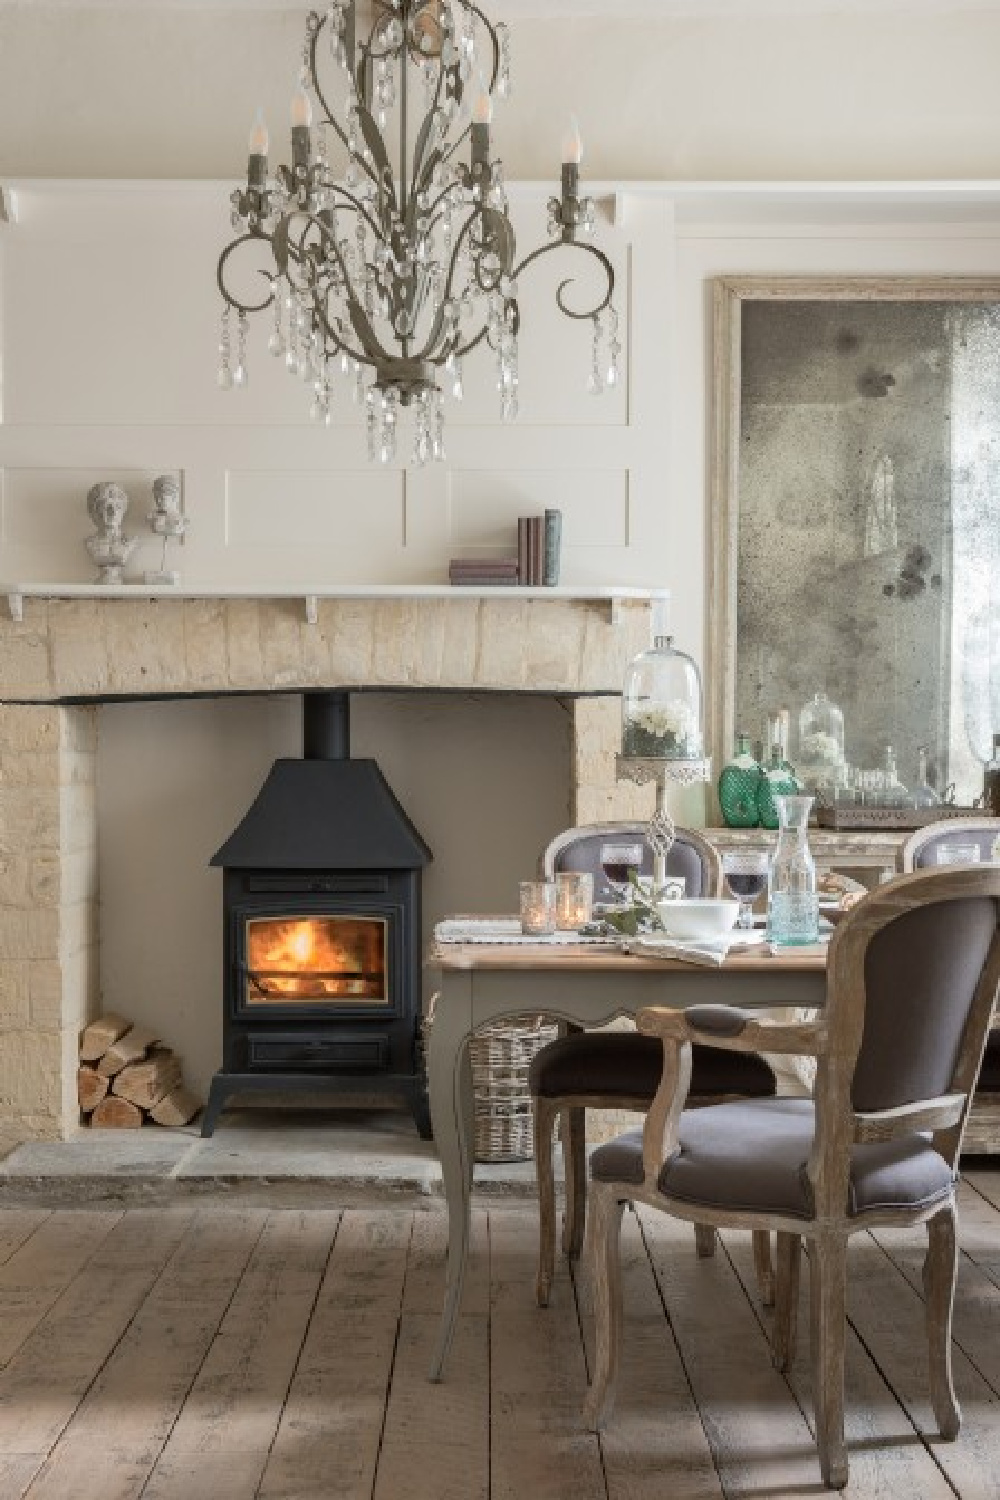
(619, 859)
(746, 877)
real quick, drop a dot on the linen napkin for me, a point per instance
(710, 952)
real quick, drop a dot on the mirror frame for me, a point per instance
(729, 294)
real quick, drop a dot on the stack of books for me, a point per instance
(484, 572)
(539, 543)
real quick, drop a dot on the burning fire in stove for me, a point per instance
(316, 958)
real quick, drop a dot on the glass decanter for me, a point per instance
(738, 782)
(923, 794)
(820, 760)
(792, 899)
(662, 705)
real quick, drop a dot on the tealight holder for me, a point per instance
(538, 907)
(574, 900)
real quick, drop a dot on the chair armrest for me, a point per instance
(738, 1030)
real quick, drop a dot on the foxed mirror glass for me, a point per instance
(856, 517)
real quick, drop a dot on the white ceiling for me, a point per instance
(499, 9)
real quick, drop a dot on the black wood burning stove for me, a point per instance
(321, 893)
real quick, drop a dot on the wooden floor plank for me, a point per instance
(760, 1438)
(986, 1182)
(220, 1443)
(18, 1225)
(328, 1438)
(49, 1376)
(436, 1441)
(976, 1325)
(888, 1316)
(109, 1448)
(41, 1268)
(655, 1443)
(538, 1379)
(979, 1230)
(887, 1458)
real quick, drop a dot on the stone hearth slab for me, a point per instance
(305, 1158)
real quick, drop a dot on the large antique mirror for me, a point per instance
(856, 518)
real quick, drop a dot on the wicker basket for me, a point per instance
(501, 1055)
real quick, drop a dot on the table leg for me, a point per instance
(449, 1073)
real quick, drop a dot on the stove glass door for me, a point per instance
(304, 960)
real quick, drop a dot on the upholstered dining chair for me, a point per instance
(621, 1070)
(913, 974)
(921, 848)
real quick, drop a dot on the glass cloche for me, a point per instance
(820, 761)
(661, 705)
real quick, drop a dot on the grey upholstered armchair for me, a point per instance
(621, 1070)
(914, 972)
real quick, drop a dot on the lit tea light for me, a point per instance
(538, 906)
(574, 900)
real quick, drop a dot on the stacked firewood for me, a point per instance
(127, 1077)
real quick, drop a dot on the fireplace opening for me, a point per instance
(300, 959)
(321, 899)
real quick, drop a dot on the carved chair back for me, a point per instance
(920, 850)
(912, 977)
(691, 857)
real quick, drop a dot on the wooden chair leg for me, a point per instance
(940, 1272)
(828, 1308)
(704, 1240)
(762, 1265)
(546, 1112)
(603, 1241)
(786, 1306)
(575, 1173)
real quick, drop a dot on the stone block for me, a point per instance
(79, 928)
(31, 1074)
(78, 730)
(77, 819)
(459, 645)
(555, 661)
(45, 988)
(608, 649)
(29, 727)
(80, 659)
(44, 879)
(79, 1000)
(245, 668)
(501, 659)
(24, 662)
(29, 818)
(15, 995)
(29, 932)
(30, 768)
(14, 879)
(348, 626)
(145, 645)
(281, 625)
(205, 660)
(397, 643)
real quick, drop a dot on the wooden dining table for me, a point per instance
(583, 985)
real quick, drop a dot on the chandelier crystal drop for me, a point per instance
(389, 249)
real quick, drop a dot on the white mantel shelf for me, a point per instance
(610, 594)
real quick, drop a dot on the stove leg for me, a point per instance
(217, 1096)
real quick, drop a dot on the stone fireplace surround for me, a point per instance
(64, 656)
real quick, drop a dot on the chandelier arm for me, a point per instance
(461, 350)
(351, 202)
(297, 253)
(314, 79)
(233, 301)
(598, 255)
(474, 10)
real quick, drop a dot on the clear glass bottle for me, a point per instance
(738, 783)
(991, 781)
(792, 899)
(662, 705)
(923, 794)
(776, 780)
(894, 792)
(820, 756)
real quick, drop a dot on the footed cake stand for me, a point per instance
(645, 768)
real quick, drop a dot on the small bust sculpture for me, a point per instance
(109, 547)
(166, 521)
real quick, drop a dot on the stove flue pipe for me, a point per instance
(326, 726)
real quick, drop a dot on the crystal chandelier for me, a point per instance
(389, 250)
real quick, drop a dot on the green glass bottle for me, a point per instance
(738, 785)
(776, 780)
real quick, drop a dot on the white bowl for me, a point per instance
(697, 917)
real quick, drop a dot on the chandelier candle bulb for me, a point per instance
(572, 152)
